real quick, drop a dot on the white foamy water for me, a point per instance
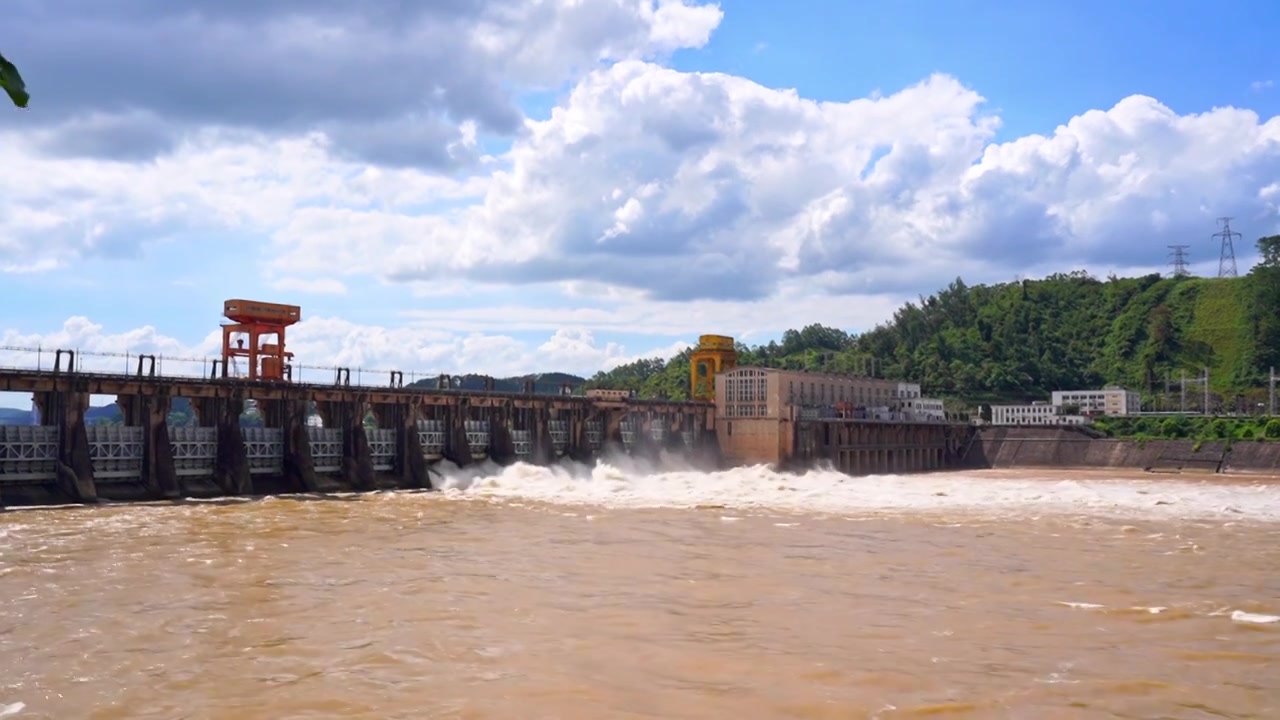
(1256, 618)
(627, 482)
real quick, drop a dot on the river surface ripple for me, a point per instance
(490, 601)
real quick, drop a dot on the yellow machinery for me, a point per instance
(714, 355)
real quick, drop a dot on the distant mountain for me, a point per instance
(13, 416)
(543, 383)
(104, 414)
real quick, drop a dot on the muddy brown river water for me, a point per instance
(627, 593)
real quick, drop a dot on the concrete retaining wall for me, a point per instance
(1010, 447)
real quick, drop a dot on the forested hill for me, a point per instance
(1024, 339)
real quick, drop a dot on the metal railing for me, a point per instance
(132, 365)
(42, 359)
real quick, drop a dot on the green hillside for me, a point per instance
(543, 383)
(1025, 339)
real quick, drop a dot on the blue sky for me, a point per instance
(602, 183)
(1039, 63)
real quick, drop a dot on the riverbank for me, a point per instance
(1031, 447)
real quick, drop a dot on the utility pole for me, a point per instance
(1227, 256)
(1182, 390)
(1179, 261)
(869, 366)
(1206, 390)
(1272, 393)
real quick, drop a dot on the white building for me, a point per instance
(911, 406)
(1111, 400)
(1036, 413)
(919, 408)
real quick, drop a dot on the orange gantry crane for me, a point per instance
(261, 322)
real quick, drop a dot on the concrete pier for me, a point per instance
(860, 447)
(367, 439)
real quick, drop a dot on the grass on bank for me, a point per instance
(1189, 427)
(1220, 324)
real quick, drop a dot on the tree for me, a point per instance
(1265, 279)
(12, 83)
(1269, 249)
(1272, 429)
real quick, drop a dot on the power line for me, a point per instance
(1227, 256)
(1179, 261)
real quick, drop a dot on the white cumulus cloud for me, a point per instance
(323, 343)
(647, 201)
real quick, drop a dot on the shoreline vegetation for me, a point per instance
(1190, 427)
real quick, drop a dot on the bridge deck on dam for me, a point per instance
(34, 381)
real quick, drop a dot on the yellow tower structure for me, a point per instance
(714, 355)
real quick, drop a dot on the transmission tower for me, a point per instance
(1227, 258)
(1179, 262)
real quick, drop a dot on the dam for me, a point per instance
(379, 433)
(65, 458)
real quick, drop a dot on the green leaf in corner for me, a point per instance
(12, 83)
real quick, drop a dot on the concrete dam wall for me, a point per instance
(1028, 447)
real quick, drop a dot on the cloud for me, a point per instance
(644, 201)
(1260, 85)
(705, 185)
(681, 185)
(392, 82)
(322, 343)
(322, 286)
(795, 305)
